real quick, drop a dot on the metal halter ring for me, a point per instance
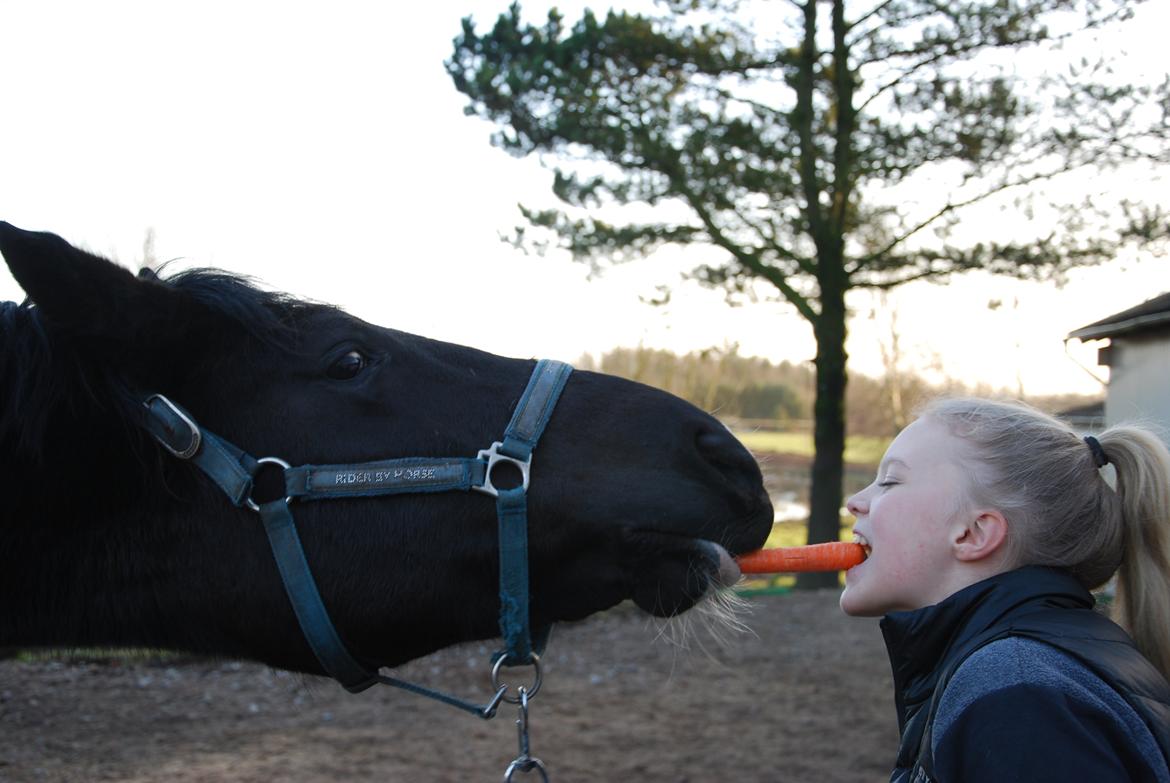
(493, 457)
(539, 678)
(252, 504)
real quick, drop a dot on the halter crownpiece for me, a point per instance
(234, 471)
(1100, 458)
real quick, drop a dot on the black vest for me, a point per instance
(1044, 604)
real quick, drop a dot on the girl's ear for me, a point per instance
(981, 537)
(92, 302)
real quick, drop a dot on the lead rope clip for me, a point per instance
(525, 762)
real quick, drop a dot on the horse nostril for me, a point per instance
(719, 447)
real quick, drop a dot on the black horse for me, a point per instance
(105, 540)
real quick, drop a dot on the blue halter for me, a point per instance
(234, 471)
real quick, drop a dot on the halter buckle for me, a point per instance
(493, 457)
(169, 420)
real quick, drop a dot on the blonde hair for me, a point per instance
(1062, 511)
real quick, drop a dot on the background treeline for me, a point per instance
(749, 389)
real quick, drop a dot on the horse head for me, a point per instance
(107, 540)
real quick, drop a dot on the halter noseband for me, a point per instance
(234, 471)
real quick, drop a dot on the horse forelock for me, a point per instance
(239, 302)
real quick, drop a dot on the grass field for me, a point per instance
(859, 449)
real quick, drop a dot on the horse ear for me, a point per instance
(87, 298)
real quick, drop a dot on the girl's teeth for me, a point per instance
(864, 544)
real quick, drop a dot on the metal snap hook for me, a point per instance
(525, 762)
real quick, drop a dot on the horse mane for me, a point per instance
(24, 376)
(41, 374)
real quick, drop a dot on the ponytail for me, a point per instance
(1142, 604)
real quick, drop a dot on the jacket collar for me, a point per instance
(919, 641)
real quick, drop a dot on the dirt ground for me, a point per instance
(805, 697)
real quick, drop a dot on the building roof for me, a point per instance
(1150, 314)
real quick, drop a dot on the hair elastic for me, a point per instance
(1100, 458)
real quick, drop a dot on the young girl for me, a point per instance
(986, 528)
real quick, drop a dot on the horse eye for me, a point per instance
(346, 367)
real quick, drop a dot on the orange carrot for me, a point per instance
(833, 556)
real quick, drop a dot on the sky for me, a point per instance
(322, 149)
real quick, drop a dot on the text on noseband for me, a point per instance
(382, 476)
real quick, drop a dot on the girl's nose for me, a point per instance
(855, 505)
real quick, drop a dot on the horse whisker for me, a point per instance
(718, 617)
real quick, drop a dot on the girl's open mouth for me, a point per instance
(864, 543)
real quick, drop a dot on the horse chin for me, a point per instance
(684, 571)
